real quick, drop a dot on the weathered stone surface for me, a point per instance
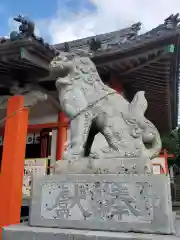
(103, 202)
(90, 104)
(23, 231)
(106, 165)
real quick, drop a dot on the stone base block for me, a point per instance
(106, 165)
(103, 202)
(25, 232)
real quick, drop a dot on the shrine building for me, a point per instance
(127, 60)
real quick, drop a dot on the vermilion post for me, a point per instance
(62, 135)
(166, 160)
(115, 83)
(12, 167)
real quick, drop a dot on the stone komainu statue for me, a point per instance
(95, 108)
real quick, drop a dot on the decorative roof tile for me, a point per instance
(122, 39)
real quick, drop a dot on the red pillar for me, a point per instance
(166, 161)
(12, 167)
(115, 83)
(62, 135)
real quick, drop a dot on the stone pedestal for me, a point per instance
(25, 232)
(107, 202)
(124, 166)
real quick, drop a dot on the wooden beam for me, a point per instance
(151, 74)
(150, 69)
(158, 69)
(153, 106)
(148, 87)
(156, 72)
(34, 59)
(163, 80)
(39, 127)
(146, 80)
(141, 65)
(131, 56)
(161, 62)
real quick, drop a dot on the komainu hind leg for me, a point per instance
(79, 131)
(112, 137)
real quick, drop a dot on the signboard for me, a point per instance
(156, 169)
(33, 167)
(32, 138)
(159, 165)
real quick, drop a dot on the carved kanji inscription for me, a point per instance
(105, 201)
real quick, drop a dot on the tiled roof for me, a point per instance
(123, 39)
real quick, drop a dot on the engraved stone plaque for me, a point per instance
(103, 202)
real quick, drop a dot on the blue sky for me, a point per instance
(65, 20)
(33, 8)
(38, 10)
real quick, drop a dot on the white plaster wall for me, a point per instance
(43, 112)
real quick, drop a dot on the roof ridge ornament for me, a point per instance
(132, 34)
(26, 28)
(94, 44)
(66, 47)
(134, 30)
(172, 21)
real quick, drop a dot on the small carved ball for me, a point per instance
(14, 35)
(148, 137)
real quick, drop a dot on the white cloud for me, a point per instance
(108, 16)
